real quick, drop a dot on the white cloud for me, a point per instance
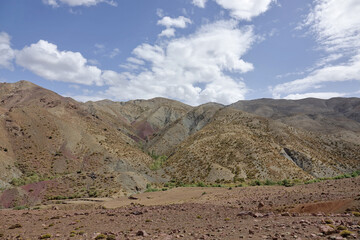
(336, 25)
(192, 69)
(114, 53)
(321, 95)
(245, 9)
(180, 22)
(6, 52)
(337, 73)
(160, 12)
(75, 3)
(199, 3)
(44, 59)
(169, 32)
(135, 61)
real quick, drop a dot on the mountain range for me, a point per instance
(53, 146)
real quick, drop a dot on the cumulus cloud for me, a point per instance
(336, 27)
(245, 9)
(114, 53)
(44, 59)
(192, 69)
(179, 22)
(321, 95)
(171, 24)
(199, 3)
(7, 54)
(76, 3)
(169, 32)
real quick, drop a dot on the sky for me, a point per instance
(193, 51)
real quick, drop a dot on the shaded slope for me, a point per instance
(165, 142)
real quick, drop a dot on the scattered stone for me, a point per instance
(257, 215)
(17, 225)
(136, 213)
(142, 233)
(325, 229)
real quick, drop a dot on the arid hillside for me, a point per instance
(239, 145)
(56, 147)
(337, 116)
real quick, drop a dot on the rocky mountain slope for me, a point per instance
(52, 146)
(337, 116)
(239, 145)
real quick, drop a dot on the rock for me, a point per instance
(245, 213)
(142, 233)
(136, 213)
(251, 231)
(285, 214)
(261, 204)
(325, 229)
(257, 215)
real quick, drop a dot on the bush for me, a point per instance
(201, 184)
(20, 207)
(100, 236)
(269, 182)
(45, 236)
(287, 183)
(345, 233)
(159, 161)
(256, 183)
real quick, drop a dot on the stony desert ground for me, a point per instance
(324, 210)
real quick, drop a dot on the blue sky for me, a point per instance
(194, 51)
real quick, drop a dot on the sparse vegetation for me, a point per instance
(356, 214)
(20, 207)
(46, 236)
(341, 227)
(159, 160)
(345, 233)
(100, 236)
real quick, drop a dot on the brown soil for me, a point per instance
(265, 212)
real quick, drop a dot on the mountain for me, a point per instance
(53, 147)
(239, 145)
(46, 137)
(336, 116)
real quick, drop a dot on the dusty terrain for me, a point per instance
(313, 211)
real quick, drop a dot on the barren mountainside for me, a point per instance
(51, 145)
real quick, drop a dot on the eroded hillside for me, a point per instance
(56, 147)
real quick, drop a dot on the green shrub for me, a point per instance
(287, 183)
(100, 236)
(20, 207)
(345, 233)
(200, 184)
(269, 182)
(341, 227)
(45, 236)
(159, 160)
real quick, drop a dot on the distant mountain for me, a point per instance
(339, 116)
(53, 147)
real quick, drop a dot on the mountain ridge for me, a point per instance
(108, 148)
